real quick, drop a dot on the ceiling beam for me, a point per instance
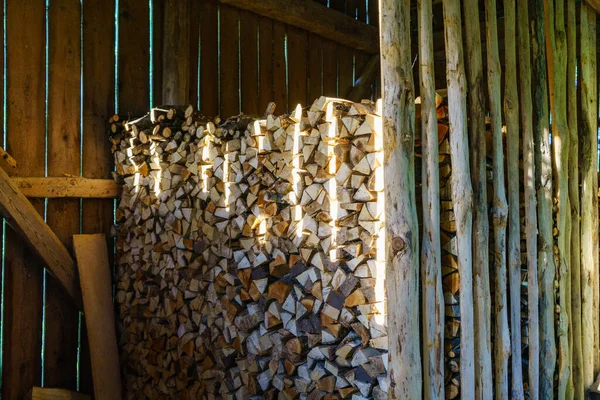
(318, 19)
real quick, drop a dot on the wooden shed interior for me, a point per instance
(79, 77)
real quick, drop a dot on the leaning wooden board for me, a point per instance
(96, 287)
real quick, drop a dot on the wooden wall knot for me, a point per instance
(397, 245)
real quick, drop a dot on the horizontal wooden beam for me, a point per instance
(318, 19)
(75, 186)
(24, 218)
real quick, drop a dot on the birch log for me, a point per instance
(500, 208)
(431, 261)
(588, 176)
(401, 228)
(544, 195)
(462, 192)
(556, 53)
(576, 353)
(481, 228)
(530, 197)
(511, 111)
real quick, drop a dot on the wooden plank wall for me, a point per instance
(66, 84)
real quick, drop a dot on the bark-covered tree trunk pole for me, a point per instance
(481, 228)
(500, 208)
(511, 112)
(589, 144)
(431, 257)
(401, 227)
(462, 193)
(543, 161)
(557, 76)
(575, 325)
(531, 228)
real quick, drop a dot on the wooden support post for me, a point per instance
(401, 227)
(176, 48)
(511, 112)
(575, 315)
(481, 228)
(431, 257)
(96, 288)
(557, 79)
(23, 217)
(316, 18)
(544, 184)
(462, 192)
(500, 208)
(589, 199)
(529, 184)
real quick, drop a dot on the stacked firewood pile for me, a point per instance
(249, 263)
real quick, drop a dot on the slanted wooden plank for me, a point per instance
(22, 215)
(595, 4)
(363, 85)
(23, 272)
(74, 186)
(96, 288)
(316, 18)
(38, 393)
(61, 326)
(7, 158)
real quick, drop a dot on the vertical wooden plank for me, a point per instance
(249, 62)
(315, 67)
(330, 68)
(209, 58)
(229, 61)
(98, 105)
(297, 67)
(339, 5)
(345, 70)
(265, 33)
(134, 53)
(158, 25)
(373, 12)
(194, 52)
(26, 142)
(176, 52)
(279, 67)
(64, 62)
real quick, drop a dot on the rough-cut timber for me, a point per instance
(594, 4)
(511, 112)
(543, 160)
(556, 42)
(589, 199)
(575, 240)
(462, 192)
(23, 217)
(68, 187)
(499, 208)
(401, 226)
(316, 18)
(478, 157)
(7, 159)
(529, 183)
(431, 257)
(96, 288)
